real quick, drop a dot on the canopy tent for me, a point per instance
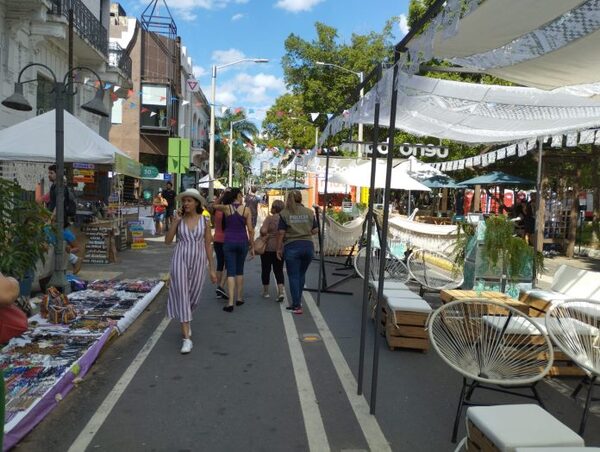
(205, 181)
(543, 43)
(469, 112)
(496, 178)
(360, 176)
(442, 181)
(418, 170)
(287, 184)
(34, 140)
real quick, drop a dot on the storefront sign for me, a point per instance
(89, 166)
(149, 171)
(85, 176)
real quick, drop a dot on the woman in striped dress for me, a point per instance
(193, 252)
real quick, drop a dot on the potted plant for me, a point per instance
(493, 253)
(23, 234)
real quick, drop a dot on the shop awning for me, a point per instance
(33, 140)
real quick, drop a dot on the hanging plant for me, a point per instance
(465, 233)
(501, 247)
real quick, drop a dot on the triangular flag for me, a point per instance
(279, 114)
(238, 110)
(250, 111)
(152, 113)
(174, 99)
(161, 98)
(224, 110)
(185, 102)
(173, 121)
(116, 87)
(130, 93)
(314, 116)
(132, 105)
(144, 110)
(86, 80)
(182, 126)
(107, 85)
(329, 116)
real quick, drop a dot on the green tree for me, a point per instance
(287, 125)
(243, 132)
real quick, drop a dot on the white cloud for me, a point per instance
(237, 16)
(296, 6)
(251, 91)
(199, 71)
(220, 57)
(403, 24)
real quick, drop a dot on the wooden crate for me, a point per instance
(407, 332)
(537, 306)
(477, 441)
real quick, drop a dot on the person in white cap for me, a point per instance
(193, 253)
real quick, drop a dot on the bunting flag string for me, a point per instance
(314, 116)
(185, 102)
(521, 149)
(116, 88)
(153, 114)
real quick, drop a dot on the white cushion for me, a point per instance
(516, 325)
(546, 295)
(511, 426)
(577, 282)
(408, 305)
(395, 285)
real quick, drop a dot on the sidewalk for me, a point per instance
(252, 383)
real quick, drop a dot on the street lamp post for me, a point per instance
(361, 77)
(211, 151)
(231, 124)
(96, 106)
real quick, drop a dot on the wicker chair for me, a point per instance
(574, 326)
(493, 346)
(433, 271)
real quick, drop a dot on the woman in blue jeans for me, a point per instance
(297, 225)
(239, 232)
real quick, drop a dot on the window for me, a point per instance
(45, 95)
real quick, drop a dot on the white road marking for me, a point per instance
(313, 421)
(368, 423)
(89, 431)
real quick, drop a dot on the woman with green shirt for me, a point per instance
(297, 225)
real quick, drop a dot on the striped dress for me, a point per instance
(188, 271)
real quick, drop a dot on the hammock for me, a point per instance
(339, 237)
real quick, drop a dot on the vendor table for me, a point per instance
(448, 295)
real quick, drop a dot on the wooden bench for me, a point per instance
(404, 316)
(568, 283)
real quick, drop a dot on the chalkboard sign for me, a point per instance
(98, 246)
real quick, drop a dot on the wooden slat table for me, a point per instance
(448, 295)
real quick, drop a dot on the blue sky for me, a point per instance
(221, 31)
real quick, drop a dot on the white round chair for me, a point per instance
(574, 326)
(493, 346)
(395, 269)
(433, 270)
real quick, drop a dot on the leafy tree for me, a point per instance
(245, 130)
(287, 125)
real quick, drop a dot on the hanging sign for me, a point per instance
(423, 150)
(85, 176)
(149, 172)
(193, 85)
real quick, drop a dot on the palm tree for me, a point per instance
(246, 130)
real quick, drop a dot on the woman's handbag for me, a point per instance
(260, 245)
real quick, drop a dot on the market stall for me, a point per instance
(42, 366)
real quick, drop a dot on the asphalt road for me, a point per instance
(251, 383)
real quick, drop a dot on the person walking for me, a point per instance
(239, 232)
(193, 253)
(159, 207)
(251, 201)
(218, 220)
(297, 225)
(169, 195)
(269, 258)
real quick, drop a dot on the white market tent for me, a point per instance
(360, 176)
(34, 140)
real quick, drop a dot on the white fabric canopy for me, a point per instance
(204, 182)
(34, 140)
(360, 176)
(543, 43)
(418, 170)
(471, 113)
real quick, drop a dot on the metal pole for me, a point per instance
(323, 279)
(58, 277)
(230, 153)
(367, 278)
(211, 149)
(539, 215)
(383, 243)
(361, 75)
(70, 102)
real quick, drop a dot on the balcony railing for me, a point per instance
(85, 23)
(117, 57)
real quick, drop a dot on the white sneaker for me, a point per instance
(187, 346)
(266, 295)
